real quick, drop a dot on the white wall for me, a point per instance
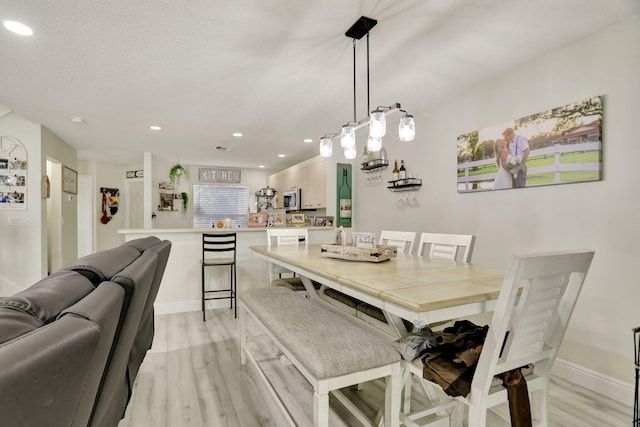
(23, 243)
(601, 215)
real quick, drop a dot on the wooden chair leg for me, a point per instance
(321, 407)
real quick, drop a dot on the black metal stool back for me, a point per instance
(219, 250)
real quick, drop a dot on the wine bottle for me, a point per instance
(365, 157)
(402, 173)
(344, 195)
(396, 173)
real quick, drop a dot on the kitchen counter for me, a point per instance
(180, 287)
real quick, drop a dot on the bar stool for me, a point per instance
(224, 247)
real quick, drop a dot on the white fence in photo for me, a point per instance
(465, 182)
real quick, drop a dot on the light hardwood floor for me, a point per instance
(192, 377)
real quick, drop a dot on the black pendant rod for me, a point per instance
(368, 106)
(354, 81)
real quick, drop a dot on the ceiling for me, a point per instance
(278, 71)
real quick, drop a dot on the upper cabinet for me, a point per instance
(314, 183)
(310, 176)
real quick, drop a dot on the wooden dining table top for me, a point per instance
(415, 283)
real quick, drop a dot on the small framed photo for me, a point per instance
(257, 219)
(311, 220)
(276, 218)
(364, 240)
(69, 180)
(321, 221)
(329, 222)
(297, 219)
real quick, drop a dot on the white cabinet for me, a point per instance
(314, 184)
(310, 176)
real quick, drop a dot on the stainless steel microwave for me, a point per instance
(292, 200)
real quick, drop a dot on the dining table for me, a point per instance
(418, 289)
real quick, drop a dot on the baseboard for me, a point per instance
(597, 382)
(186, 306)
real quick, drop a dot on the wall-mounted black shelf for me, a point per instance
(409, 184)
(374, 165)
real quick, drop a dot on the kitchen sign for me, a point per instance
(219, 175)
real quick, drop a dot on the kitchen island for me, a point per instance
(180, 287)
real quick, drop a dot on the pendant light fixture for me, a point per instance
(377, 124)
(348, 135)
(407, 127)
(326, 146)
(377, 120)
(374, 143)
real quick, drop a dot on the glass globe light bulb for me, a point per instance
(377, 124)
(326, 147)
(407, 128)
(374, 143)
(348, 136)
(350, 153)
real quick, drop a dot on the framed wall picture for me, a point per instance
(69, 180)
(257, 219)
(562, 145)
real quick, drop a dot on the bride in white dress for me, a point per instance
(503, 179)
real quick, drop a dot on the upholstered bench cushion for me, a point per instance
(326, 344)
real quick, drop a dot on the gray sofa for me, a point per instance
(71, 344)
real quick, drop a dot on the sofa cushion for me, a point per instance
(14, 323)
(46, 299)
(44, 372)
(143, 243)
(101, 266)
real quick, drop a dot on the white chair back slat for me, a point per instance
(537, 299)
(285, 237)
(403, 240)
(446, 246)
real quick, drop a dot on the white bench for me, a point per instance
(327, 349)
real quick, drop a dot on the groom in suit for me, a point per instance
(518, 147)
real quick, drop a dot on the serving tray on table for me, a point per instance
(351, 253)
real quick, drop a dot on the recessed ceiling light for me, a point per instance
(237, 134)
(77, 119)
(282, 155)
(18, 28)
(261, 166)
(308, 140)
(155, 128)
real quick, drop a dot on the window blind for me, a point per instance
(217, 202)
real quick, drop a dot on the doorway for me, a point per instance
(54, 217)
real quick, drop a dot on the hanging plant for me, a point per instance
(176, 173)
(185, 203)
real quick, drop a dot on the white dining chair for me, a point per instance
(535, 304)
(446, 246)
(280, 276)
(402, 239)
